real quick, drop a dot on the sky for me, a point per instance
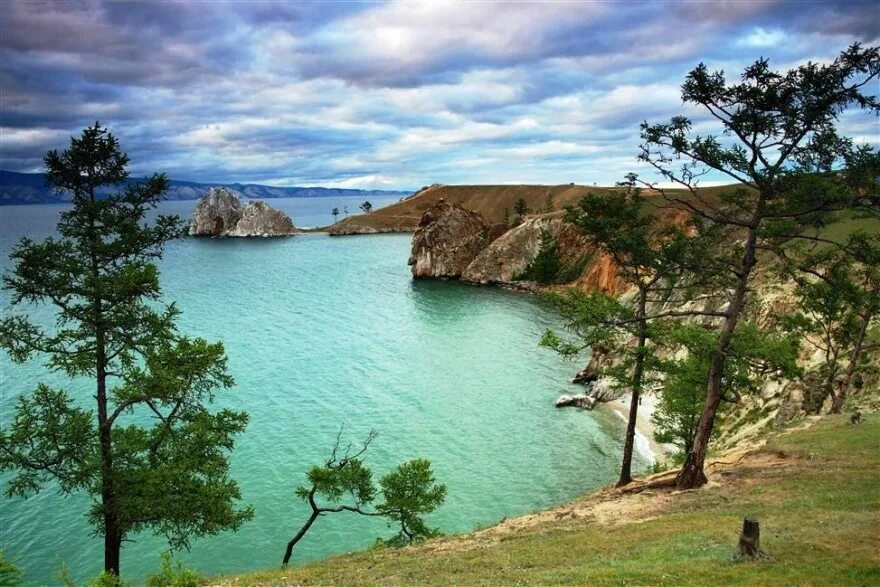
(387, 95)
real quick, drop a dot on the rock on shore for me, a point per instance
(447, 239)
(220, 214)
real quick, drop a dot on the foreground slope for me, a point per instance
(815, 491)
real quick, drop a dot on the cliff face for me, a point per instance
(453, 242)
(509, 255)
(446, 240)
(216, 213)
(260, 219)
(220, 214)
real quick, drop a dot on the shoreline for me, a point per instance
(645, 444)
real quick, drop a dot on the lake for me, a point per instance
(323, 331)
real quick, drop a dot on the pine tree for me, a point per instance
(652, 254)
(100, 275)
(793, 171)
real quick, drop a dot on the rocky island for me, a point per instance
(221, 214)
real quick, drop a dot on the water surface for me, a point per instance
(322, 331)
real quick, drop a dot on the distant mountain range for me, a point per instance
(30, 188)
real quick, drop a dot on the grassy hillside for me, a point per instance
(816, 492)
(489, 200)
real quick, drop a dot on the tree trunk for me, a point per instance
(691, 474)
(112, 533)
(750, 539)
(840, 397)
(302, 532)
(638, 374)
(828, 385)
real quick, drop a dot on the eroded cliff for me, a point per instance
(220, 214)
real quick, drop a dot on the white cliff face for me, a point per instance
(220, 214)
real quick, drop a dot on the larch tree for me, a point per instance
(148, 450)
(793, 172)
(838, 292)
(652, 255)
(344, 483)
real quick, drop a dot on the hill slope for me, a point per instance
(815, 491)
(489, 200)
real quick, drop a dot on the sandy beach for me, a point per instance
(644, 441)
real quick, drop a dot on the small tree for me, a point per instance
(100, 275)
(756, 355)
(545, 267)
(409, 492)
(838, 289)
(367, 207)
(520, 207)
(792, 170)
(826, 316)
(548, 203)
(335, 213)
(865, 250)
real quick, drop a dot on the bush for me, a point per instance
(173, 574)
(10, 573)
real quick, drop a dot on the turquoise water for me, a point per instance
(323, 331)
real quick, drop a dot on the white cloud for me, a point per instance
(760, 37)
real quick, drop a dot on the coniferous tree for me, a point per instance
(345, 484)
(100, 275)
(793, 171)
(652, 254)
(838, 292)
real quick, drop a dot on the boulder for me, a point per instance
(220, 214)
(600, 391)
(215, 213)
(260, 219)
(585, 402)
(446, 240)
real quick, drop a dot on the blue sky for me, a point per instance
(389, 95)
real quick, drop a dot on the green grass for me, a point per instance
(816, 493)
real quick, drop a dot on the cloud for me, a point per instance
(383, 94)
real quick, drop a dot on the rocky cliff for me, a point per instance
(260, 219)
(220, 214)
(447, 239)
(453, 242)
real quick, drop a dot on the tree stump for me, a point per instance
(750, 539)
